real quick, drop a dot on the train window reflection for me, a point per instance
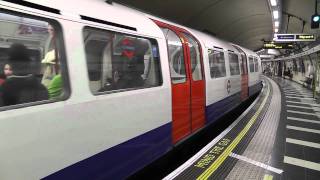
(118, 61)
(234, 64)
(32, 66)
(256, 64)
(194, 58)
(251, 64)
(176, 57)
(217, 64)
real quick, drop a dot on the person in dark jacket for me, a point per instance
(128, 70)
(22, 86)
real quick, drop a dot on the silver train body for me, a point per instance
(98, 130)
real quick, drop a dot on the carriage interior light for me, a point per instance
(276, 14)
(276, 24)
(273, 3)
(276, 30)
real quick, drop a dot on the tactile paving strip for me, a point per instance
(261, 146)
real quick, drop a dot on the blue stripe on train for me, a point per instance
(255, 88)
(122, 160)
(218, 109)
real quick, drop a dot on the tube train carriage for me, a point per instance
(130, 87)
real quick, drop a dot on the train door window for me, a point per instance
(234, 64)
(176, 57)
(243, 63)
(32, 63)
(256, 64)
(216, 64)
(120, 62)
(251, 64)
(241, 66)
(194, 58)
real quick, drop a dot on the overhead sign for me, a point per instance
(266, 56)
(277, 45)
(294, 37)
(305, 37)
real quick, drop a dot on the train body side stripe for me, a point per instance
(255, 88)
(218, 109)
(121, 160)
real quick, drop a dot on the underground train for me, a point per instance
(123, 88)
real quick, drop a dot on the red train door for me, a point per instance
(187, 81)
(196, 81)
(244, 74)
(244, 77)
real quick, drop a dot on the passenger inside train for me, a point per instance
(22, 86)
(129, 68)
(6, 72)
(118, 62)
(29, 54)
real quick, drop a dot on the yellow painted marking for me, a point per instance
(267, 177)
(214, 166)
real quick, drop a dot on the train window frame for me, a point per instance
(224, 59)
(59, 29)
(251, 65)
(237, 55)
(107, 30)
(172, 81)
(256, 64)
(199, 58)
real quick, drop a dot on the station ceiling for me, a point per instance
(244, 22)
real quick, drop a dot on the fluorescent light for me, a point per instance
(276, 30)
(276, 14)
(273, 2)
(276, 23)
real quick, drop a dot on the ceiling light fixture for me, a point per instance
(273, 2)
(276, 14)
(315, 18)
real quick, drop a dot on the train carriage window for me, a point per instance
(256, 64)
(120, 62)
(176, 57)
(234, 64)
(251, 64)
(194, 58)
(216, 64)
(32, 63)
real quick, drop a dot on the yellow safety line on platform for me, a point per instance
(267, 177)
(214, 166)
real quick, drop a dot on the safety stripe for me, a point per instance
(267, 177)
(256, 163)
(215, 165)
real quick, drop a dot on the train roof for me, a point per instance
(127, 16)
(212, 42)
(209, 40)
(100, 10)
(247, 51)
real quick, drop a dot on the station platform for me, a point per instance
(277, 137)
